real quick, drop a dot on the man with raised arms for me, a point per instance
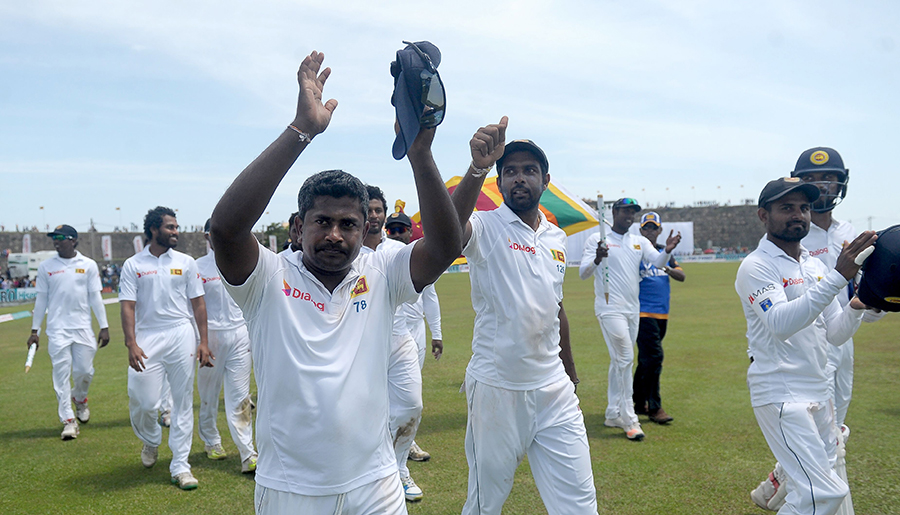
(321, 319)
(520, 382)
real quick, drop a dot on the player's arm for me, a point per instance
(675, 271)
(486, 147)
(565, 348)
(96, 302)
(432, 308)
(37, 318)
(591, 255)
(442, 242)
(245, 200)
(659, 258)
(203, 354)
(136, 355)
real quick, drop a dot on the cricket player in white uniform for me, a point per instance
(159, 287)
(789, 300)
(620, 316)
(320, 320)
(520, 382)
(404, 374)
(398, 227)
(229, 341)
(823, 167)
(68, 288)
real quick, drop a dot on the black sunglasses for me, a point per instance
(397, 230)
(433, 97)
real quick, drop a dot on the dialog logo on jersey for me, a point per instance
(209, 279)
(175, 271)
(558, 255)
(51, 274)
(818, 251)
(523, 248)
(79, 270)
(360, 288)
(294, 293)
(765, 305)
(792, 281)
(148, 272)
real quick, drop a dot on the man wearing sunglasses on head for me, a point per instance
(68, 288)
(520, 382)
(321, 319)
(619, 315)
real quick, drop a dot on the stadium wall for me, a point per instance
(724, 226)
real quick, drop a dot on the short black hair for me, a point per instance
(154, 219)
(332, 183)
(291, 218)
(375, 193)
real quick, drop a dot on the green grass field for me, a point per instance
(706, 461)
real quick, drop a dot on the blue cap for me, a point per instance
(650, 218)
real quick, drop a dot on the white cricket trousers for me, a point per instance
(232, 366)
(417, 331)
(381, 497)
(802, 437)
(620, 332)
(170, 355)
(839, 371)
(404, 398)
(72, 358)
(547, 425)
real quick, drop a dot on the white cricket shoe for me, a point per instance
(845, 433)
(634, 433)
(165, 418)
(82, 412)
(216, 452)
(185, 481)
(417, 454)
(770, 494)
(411, 490)
(149, 455)
(70, 430)
(248, 466)
(616, 422)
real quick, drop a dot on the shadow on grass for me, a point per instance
(230, 465)
(126, 476)
(442, 423)
(53, 432)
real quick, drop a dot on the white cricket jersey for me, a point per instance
(222, 313)
(428, 306)
(626, 251)
(321, 363)
(161, 286)
(792, 315)
(826, 245)
(400, 330)
(68, 283)
(517, 278)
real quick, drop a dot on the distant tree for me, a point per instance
(279, 230)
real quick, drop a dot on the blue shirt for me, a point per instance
(654, 290)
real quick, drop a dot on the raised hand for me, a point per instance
(313, 116)
(672, 241)
(846, 261)
(488, 143)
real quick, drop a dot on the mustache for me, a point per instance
(330, 248)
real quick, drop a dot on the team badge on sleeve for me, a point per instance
(765, 305)
(558, 255)
(360, 288)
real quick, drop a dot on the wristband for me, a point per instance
(479, 172)
(303, 137)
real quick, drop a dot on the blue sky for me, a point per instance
(107, 104)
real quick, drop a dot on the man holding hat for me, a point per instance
(789, 301)
(654, 300)
(68, 288)
(619, 315)
(520, 382)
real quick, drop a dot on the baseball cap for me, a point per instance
(398, 218)
(526, 145)
(418, 97)
(64, 230)
(650, 217)
(778, 188)
(880, 284)
(627, 202)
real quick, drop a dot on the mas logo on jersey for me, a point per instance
(759, 293)
(765, 305)
(558, 255)
(294, 293)
(175, 271)
(524, 248)
(79, 270)
(819, 157)
(148, 272)
(361, 287)
(792, 281)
